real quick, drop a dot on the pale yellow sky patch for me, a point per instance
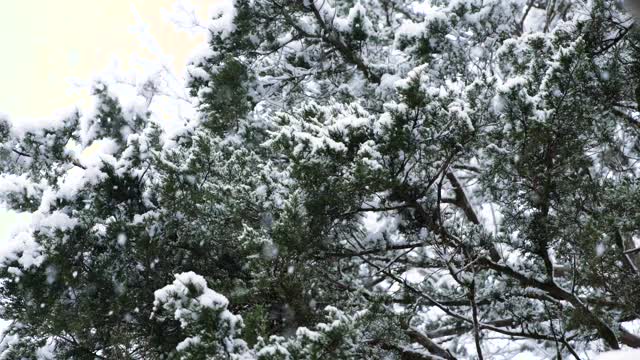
(45, 43)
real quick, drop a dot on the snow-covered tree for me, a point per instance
(453, 179)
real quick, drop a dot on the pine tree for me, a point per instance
(363, 179)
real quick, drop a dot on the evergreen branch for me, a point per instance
(429, 344)
(329, 35)
(605, 332)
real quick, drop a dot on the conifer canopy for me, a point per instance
(359, 179)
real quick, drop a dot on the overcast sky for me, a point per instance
(46, 43)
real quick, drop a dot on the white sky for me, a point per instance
(48, 45)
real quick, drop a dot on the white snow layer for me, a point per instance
(620, 355)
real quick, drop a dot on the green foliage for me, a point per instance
(361, 181)
(224, 97)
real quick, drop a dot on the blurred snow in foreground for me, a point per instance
(620, 355)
